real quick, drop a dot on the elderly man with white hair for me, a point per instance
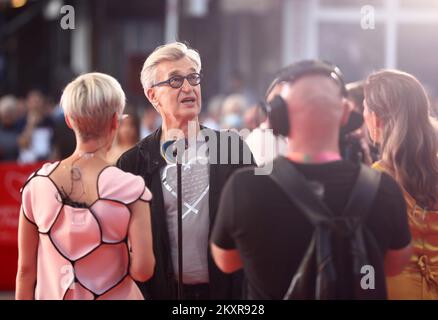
(171, 78)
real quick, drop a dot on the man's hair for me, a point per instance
(168, 52)
(90, 101)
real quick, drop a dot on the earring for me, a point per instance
(375, 132)
(374, 138)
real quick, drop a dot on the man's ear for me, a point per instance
(152, 97)
(67, 120)
(347, 107)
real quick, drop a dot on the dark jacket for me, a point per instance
(145, 160)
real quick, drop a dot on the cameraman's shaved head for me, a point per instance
(316, 108)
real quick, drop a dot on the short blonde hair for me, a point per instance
(168, 52)
(90, 101)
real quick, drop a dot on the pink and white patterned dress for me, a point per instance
(83, 250)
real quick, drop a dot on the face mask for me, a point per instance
(232, 121)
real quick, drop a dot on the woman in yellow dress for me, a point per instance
(397, 116)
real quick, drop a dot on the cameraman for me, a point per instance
(260, 230)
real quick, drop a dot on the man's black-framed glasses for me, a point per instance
(176, 82)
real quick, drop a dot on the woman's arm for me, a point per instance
(140, 240)
(27, 259)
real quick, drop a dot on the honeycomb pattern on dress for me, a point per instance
(83, 251)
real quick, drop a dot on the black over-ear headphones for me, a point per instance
(277, 110)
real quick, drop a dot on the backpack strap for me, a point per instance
(296, 188)
(357, 209)
(364, 192)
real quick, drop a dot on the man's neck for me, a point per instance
(174, 130)
(314, 152)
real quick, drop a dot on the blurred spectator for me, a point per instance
(264, 145)
(35, 141)
(149, 122)
(356, 95)
(232, 112)
(56, 111)
(127, 135)
(9, 130)
(213, 113)
(21, 113)
(64, 140)
(239, 86)
(253, 117)
(356, 146)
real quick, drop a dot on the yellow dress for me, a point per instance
(419, 280)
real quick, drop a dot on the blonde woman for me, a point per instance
(397, 116)
(84, 229)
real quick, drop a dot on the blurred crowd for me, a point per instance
(32, 128)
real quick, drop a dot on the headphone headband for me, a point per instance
(277, 108)
(307, 67)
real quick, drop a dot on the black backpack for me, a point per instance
(342, 251)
